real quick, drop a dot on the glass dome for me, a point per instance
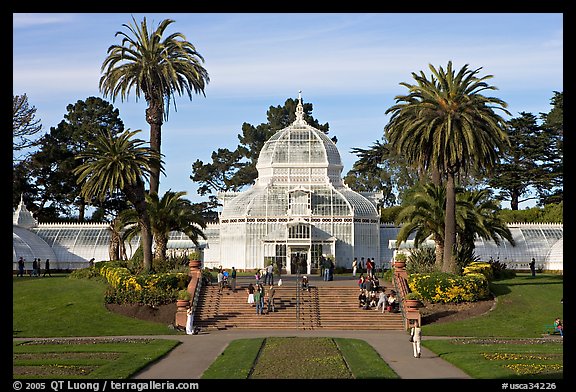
(298, 158)
(299, 153)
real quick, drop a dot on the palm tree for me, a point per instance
(476, 216)
(446, 124)
(423, 215)
(120, 163)
(171, 213)
(118, 237)
(157, 68)
(481, 218)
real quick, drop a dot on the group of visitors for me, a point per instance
(265, 275)
(36, 267)
(358, 266)
(379, 300)
(327, 268)
(370, 283)
(258, 297)
(226, 279)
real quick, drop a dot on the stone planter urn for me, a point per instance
(412, 303)
(182, 304)
(400, 264)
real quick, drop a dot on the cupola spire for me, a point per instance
(300, 110)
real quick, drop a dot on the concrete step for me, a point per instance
(321, 307)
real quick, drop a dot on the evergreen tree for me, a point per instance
(234, 170)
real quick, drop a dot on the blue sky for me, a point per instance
(348, 65)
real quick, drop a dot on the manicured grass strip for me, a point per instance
(63, 307)
(117, 359)
(236, 360)
(531, 302)
(363, 360)
(502, 359)
(300, 358)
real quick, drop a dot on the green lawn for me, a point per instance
(59, 306)
(299, 358)
(97, 359)
(62, 307)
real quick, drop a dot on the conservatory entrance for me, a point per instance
(299, 261)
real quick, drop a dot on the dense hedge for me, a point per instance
(146, 289)
(444, 287)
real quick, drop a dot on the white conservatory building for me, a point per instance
(298, 209)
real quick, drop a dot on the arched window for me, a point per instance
(299, 203)
(300, 230)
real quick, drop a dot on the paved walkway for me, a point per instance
(190, 359)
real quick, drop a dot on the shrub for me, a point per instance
(499, 270)
(412, 295)
(400, 257)
(445, 288)
(207, 276)
(421, 260)
(184, 295)
(85, 273)
(481, 268)
(149, 289)
(340, 270)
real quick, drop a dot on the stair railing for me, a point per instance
(197, 294)
(298, 294)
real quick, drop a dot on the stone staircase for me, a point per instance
(320, 308)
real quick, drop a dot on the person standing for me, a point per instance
(21, 266)
(327, 264)
(47, 268)
(189, 321)
(250, 291)
(271, 291)
(220, 280)
(258, 300)
(533, 267)
(354, 266)
(34, 271)
(369, 268)
(416, 333)
(269, 274)
(233, 279)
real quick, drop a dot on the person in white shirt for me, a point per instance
(382, 301)
(269, 279)
(416, 333)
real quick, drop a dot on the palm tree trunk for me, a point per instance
(114, 246)
(160, 246)
(439, 251)
(154, 118)
(146, 239)
(436, 177)
(449, 264)
(136, 195)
